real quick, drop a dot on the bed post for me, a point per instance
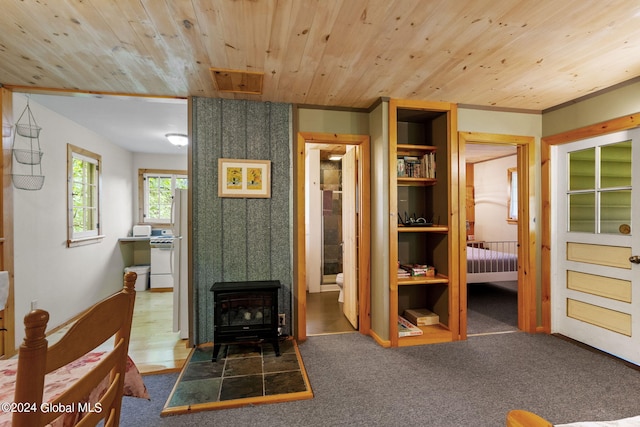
(31, 369)
(123, 335)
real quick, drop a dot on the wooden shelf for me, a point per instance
(422, 280)
(430, 335)
(403, 180)
(432, 229)
(401, 148)
(412, 126)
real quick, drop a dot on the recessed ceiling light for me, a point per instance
(335, 157)
(178, 139)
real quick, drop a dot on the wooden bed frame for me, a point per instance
(109, 318)
(492, 261)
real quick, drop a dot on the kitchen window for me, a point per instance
(157, 188)
(83, 178)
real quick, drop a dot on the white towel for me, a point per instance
(4, 288)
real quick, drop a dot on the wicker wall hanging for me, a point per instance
(27, 167)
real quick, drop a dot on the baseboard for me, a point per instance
(381, 342)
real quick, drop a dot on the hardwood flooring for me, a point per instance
(155, 348)
(153, 345)
(324, 314)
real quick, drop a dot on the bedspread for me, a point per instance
(56, 382)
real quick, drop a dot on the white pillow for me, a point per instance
(625, 422)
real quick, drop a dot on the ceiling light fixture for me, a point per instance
(335, 157)
(177, 139)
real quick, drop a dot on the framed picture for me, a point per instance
(244, 178)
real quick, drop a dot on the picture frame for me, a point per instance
(244, 178)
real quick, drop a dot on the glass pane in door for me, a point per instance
(582, 212)
(615, 165)
(582, 169)
(615, 211)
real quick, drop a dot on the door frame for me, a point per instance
(608, 126)
(525, 146)
(7, 344)
(364, 227)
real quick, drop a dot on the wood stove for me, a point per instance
(245, 312)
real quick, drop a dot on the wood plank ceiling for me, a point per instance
(514, 54)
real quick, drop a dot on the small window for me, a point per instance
(157, 188)
(512, 205)
(83, 177)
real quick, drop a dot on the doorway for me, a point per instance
(525, 169)
(492, 238)
(353, 245)
(331, 238)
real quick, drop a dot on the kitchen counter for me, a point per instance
(134, 239)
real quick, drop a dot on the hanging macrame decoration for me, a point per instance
(27, 167)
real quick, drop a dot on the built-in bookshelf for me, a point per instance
(422, 229)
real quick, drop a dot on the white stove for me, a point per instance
(162, 254)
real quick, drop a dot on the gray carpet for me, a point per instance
(467, 383)
(492, 307)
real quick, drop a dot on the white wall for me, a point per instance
(65, 281)
(491, 197)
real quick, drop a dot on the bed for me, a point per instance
(492, 261)
(72, 382)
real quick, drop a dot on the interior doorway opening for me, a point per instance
(524, 251)
(327, 213)
(332, 240)
(492, 238)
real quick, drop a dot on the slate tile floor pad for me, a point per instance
(244, 374)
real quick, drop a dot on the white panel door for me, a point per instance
(349, 235)
(595, 288)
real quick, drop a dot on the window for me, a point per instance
(157, 188)
(512, 205)
(599, 194)
(83, 177)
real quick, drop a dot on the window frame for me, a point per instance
(93, 235)
(512, 197)
(143, 196)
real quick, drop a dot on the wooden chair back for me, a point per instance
(110, 318)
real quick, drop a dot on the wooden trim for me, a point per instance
(75, 92)
(527, 312)
(79, 241)
(7, 343)
(141, 173)
(454, 225)
(364, 227)
(609, 126)
(393, 223)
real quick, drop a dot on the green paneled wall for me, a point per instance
(240, 239)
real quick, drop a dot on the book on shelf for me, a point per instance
(407, 329)
(421, 316)
(417, 167)
(419, 270)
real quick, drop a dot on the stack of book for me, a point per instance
(402, 273)
(418, 270)
(417, 167)
(407, 329)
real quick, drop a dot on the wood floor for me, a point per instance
(153, 346)
(324, 314)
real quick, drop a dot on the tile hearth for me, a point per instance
(243, 374)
